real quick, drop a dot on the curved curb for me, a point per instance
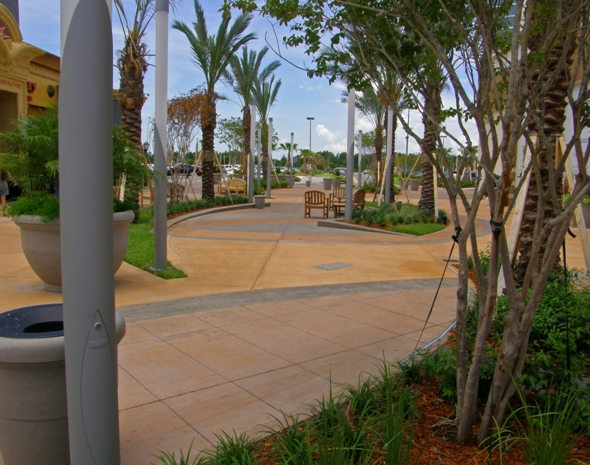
(209, 211)
(341, 224)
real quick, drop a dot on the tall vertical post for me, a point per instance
(310, 119)
(259, 155)
(252, 150)
(291, 180)
(360, 179)
(389, 157)
(85, 146)
(269, 161)
(160, 135)
(349, 155)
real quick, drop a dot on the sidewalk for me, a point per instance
(273, 308)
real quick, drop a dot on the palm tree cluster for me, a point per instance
(216, 56)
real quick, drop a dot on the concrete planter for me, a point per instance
(414, 184)
(328, 184)
(336, 183)
(33, 411)
(216, 178)
(42, 248)
(259, 201)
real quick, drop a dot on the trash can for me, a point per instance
(33, 406)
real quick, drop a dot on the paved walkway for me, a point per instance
(273, 308)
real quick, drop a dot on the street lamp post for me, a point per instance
(310, 118)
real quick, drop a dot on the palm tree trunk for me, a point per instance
(208, 129)
(432, 109)
(264, 159)
(554, 103)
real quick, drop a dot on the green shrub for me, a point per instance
(34, 203)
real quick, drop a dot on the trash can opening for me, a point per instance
(45, 327)
(34, 322)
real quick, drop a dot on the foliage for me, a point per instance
(419, 229)
(559, 348)
(140, 252)
(234, 449)
(548, 434)
(169, 459)
(42, 204)
(46, 206)
(231, 133)
(33, 151)
(389, 215)
(128, 160)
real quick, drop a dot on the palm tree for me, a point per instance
(132, 65)
(245, 72)
(265, 94)
(212, 55)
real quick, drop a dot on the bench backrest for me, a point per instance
(359, 198)
(236, 183)
(315, 198)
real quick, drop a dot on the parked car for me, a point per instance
(181, 168)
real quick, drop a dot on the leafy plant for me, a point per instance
(231, 449)
(293, 445)
(42, 204)
(548, 436)
(169, 459)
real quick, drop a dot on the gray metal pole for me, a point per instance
(349, 155)
(360, 178)
(160, 135)
(85, 146)
(269, 160)
(389, 157)
(251, 159)
(291, 181)
(259, 155)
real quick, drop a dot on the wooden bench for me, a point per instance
(234, 186)
(358, 203)
(316, 200)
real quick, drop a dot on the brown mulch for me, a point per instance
(434, 438)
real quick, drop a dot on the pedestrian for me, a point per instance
(3, 190)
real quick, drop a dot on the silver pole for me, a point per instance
(85, 146)
(252, 149)
(360, 178)
(388, 180)
(160, 136)
(259, 154)
(350, 155)
(269, 160)
(291, 181)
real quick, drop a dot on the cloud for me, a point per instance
(333, 141)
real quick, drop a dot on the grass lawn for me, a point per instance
(140, 252)
(418, 229)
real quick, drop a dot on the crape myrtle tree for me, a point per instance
(501, 93)
(212, 55)
(185, 115)
(245, 73)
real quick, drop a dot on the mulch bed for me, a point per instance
(434, 433)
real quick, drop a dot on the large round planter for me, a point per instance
(336, 183)
(33, 411)
(414, 184)
(42, 248)
(328, 184)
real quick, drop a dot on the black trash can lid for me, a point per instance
(34, 322)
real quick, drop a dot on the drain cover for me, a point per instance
(333, 266)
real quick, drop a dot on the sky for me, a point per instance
(299, 97)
